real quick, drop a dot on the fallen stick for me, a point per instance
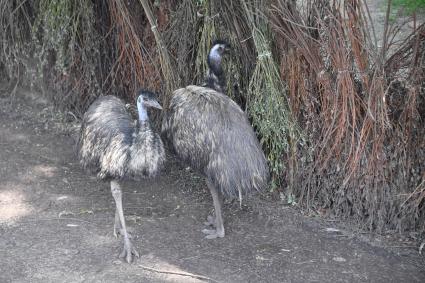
(178, 273)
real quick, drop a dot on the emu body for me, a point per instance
(210, 132)
(112, 146)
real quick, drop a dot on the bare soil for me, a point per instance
(56, 222)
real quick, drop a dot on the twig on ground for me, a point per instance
(201, 277)
(55, 218)
(421, 247)
(308, 261)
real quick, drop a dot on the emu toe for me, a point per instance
(129, 251)
(210, 221)
(117, 229)
(213, 233)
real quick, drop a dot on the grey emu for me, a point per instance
(114, 148)
(210, 132)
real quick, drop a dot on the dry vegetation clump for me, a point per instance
(363, 160)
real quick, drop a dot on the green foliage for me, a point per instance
(55, 29)
(200, 2)
(67, 46)
(410, 6)
(267, 101)
(270, 113)
(58, 25)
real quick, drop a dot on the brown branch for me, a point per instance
(166, 66)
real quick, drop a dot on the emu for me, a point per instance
(112, 146)
(211, 133)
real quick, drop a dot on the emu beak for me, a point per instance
(153, 104)
(227, 48)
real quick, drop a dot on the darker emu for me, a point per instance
(210, 132)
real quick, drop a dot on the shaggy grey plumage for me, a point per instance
(210, 132)
(114, 147)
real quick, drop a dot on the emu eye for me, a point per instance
(221, 48)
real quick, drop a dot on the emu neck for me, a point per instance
(215, 76)
(214, 62)
(143, 113)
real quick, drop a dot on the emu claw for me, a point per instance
(213, 233)
(118, 231)
(117, 226)
(129, 251)
(210, 221)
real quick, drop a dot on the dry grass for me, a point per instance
(358, 162)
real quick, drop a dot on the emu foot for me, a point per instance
(213, 233)
(210, 221)
(129, 251)
(118, 231)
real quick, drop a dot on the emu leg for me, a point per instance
(219, 231)
(211, 219)
(117, 224)
(128, 250)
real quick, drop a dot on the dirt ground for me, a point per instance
(56, 222)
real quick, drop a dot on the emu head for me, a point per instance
(218, 50)
(145, 100)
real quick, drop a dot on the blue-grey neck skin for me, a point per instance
(143, 113)
(214, 61)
